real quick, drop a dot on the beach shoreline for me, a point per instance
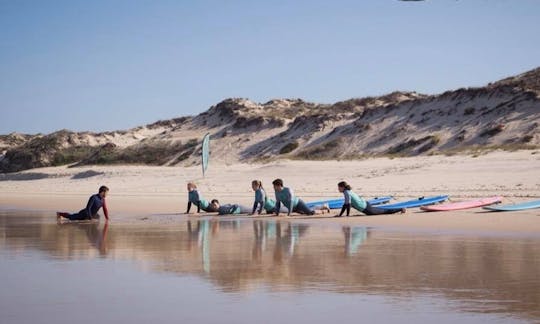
(143, 194)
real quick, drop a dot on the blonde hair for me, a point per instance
(258, 183)
(192, 185)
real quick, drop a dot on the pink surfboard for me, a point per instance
(463, 204)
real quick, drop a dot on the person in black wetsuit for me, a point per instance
(95, 203)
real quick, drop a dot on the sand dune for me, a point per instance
(503, 114)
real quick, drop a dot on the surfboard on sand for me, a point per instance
(338, 202)
(515, 207)
(463, 204)
(415, 202)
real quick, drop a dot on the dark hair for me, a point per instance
(103, 188)
(345, 185)
(278, 182)
(214, 201)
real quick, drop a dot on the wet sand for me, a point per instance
(249, 270)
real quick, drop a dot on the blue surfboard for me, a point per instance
(338, 202)
(379, 200)
(416, 202)
(515, 207)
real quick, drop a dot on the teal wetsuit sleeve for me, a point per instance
(290, 198)
(347, 196)
(346, 203)
(262, 199)
(259, 200)
(193, 198)
(197, 200)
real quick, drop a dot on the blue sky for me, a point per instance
(107, 65)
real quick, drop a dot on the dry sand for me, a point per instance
(157, 194)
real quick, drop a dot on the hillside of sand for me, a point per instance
(500, 115)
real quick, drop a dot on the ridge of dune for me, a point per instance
(504, 114)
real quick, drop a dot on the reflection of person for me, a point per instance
(195, 198)
(260, 239)
(95, 203)
(354, 237)
(286, 196)
(351, 199)
(96, 238)
(288, 240)
(201, 235)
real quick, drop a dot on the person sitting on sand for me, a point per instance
(228, 209)
(261, 199)
(286, 196)
(360, 204)
(95, 202)
(195, 198)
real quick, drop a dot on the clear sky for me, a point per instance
(107, 65)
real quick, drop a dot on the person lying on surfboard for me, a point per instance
(293, 204)
(360, 204)
(195, 198)
(95, 203)
(228, 209)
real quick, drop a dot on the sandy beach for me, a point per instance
(158, 194)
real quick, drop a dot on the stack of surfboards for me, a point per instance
(431, 204)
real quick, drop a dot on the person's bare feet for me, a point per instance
(326, 209)
(61, 217)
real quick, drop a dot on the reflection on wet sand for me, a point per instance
(481, 274)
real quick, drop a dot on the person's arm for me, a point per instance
(198, 201)
(278, 205)
(105, 210)
(347, 197)
(263, 199)
(346, 207)
(255, 204)
(188, 207)
(290, 196)
(89, 207)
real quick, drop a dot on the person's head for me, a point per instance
(342, 186)
(278, 184)
(191, 186)
(214, 204)
(256, 184)
(103, 190)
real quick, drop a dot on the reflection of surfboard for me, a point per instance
(463, 204)
(338, 202)
(415, 203)
(515, 207)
